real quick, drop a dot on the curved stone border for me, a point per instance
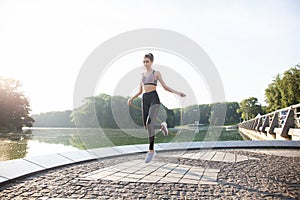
(12, 169)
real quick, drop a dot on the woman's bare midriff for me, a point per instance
(149, 88)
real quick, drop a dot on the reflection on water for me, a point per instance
(37, 148)
(34, 142)
(41, 141)
(13, 145)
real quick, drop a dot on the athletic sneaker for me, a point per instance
(149, 156)
(164, 128)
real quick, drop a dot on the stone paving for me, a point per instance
(217, 156)
(201, 174)
(155, 172)
(159, 172)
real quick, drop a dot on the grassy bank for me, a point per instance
(117, 137)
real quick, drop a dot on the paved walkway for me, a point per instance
(161, 172)
(194, 174)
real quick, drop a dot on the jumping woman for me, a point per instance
(151, 102)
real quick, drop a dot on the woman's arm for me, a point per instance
(166, 87)
(136, 95)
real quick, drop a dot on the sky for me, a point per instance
(45, 43)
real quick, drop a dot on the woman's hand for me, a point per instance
(129, 102)
(182, 94)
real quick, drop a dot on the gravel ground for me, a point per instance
(270, 177)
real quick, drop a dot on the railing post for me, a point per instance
(254, 124)
(274, 123)
(259, 123)
(265, 124)
(288, 123)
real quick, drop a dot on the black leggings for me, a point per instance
(150, 107)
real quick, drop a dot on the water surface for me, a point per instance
(41, 141)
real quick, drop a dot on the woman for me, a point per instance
(151, 102)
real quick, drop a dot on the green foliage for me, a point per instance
(14, 106)
(284, 90)
(250, 108)
(217, 114)
(98, 110)
(136, 114)
(203, 114)
(232, 116)
(170, 118)
(190, 114)
(53, 119)
(111, 112)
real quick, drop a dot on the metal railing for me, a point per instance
(277, 123)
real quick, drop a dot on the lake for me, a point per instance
(40, 141)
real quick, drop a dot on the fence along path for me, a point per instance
(282, 124)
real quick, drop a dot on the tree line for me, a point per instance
(53, 119)
(97, 111)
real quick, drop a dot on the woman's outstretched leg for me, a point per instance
(151, 125)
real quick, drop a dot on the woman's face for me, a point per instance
(147, 62)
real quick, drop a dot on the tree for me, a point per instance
(284, 90)
(273, 94)
(249, 108)
(232, 117)
(290, 86)
(14, 106)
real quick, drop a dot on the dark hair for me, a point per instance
(150, 56)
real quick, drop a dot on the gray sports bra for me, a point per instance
(150, 79)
